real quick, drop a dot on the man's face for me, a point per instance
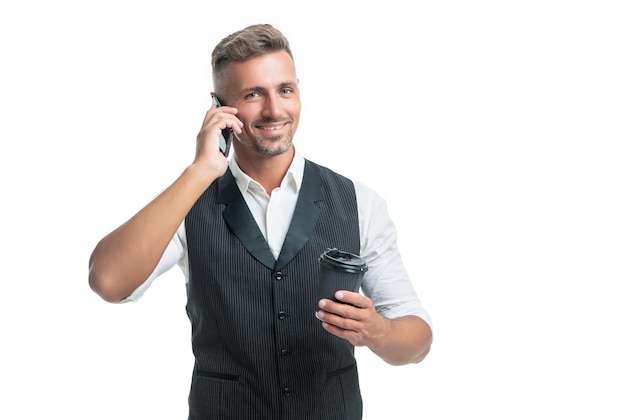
(265, 92)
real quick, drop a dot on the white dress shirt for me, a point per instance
(386, 281)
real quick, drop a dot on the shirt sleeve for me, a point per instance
(175, 253)
(386, 281)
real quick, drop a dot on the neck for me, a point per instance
(269, 172)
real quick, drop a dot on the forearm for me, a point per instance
(125, 258)
(407, 340)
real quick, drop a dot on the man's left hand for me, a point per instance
(353, 318)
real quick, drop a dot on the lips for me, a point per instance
(270, 127)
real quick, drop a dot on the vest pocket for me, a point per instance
(343, 393)
(340, 371)
(217, 375)
(210, 396)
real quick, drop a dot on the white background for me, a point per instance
(494, 129)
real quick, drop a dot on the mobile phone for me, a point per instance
(226, 138)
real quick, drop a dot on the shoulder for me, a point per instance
(366, 195)
(365, 192)
(327, 172)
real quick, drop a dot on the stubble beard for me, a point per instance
(276, 145)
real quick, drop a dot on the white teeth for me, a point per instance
(272, 128)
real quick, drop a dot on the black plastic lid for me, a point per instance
(343, 261)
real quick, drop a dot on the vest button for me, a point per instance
(278, 276)
(284, 354)
(282, 315)
(286, 392)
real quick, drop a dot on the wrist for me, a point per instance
(202, 174)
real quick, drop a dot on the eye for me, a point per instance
(286, 91)
(252, 95)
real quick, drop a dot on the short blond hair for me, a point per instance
(244, 44)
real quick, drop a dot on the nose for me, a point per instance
(272, 106)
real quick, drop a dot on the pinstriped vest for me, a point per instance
(260, 353)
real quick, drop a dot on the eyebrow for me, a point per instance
(262, 88)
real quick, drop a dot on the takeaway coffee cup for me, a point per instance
(339, 270)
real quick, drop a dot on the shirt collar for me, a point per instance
(292, 178)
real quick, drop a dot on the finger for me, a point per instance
(341, 322)
(340, 309)
(354, 299)
(339, 332)
(224, 117)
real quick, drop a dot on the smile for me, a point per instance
(271, 128)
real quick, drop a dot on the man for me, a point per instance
(247, 233)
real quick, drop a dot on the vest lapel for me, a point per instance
(240, 220)
(305, 215)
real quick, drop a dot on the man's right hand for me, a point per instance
(207, 143)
